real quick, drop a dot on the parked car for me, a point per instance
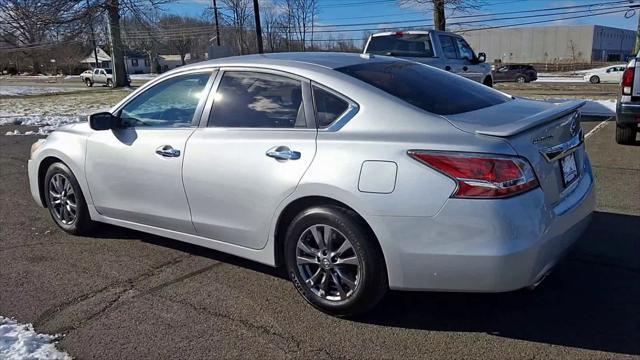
(99, 76)
(628, 105)
(515, 72)
(356, 173)
(611, 74)
(444, 50)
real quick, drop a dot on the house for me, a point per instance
(136, 62)
(104, 60)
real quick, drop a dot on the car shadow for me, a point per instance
(591, 300)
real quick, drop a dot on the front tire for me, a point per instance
(594, 79)
(65, 200)
(626, 135)
(334, 262)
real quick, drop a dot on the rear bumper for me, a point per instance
(484, 245)
(627, 113)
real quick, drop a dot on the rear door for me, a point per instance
(258, 139)
(470, 67)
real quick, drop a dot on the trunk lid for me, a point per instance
(543, 133)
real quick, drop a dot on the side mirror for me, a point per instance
(482, 57)
(103, 121)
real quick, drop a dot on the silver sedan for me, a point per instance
(357, 173)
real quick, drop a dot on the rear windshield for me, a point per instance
(401, 45)
(425, 87)
(108, 71)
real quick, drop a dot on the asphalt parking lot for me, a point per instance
(125, 294)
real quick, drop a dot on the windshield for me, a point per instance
(418, 45)
(425, 87)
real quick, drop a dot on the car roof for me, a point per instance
(327, 60)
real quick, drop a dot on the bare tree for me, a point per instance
(238, 14)
(440, 7)
(300, 15)
(32, 26)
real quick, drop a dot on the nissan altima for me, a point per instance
(357, 173)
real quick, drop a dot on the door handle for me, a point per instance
(167, 151)
(283, 153)
(465, 68)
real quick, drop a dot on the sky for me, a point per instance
(375, 14)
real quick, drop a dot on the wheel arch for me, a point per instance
(42, 171)
(488, 80)
(296, 206)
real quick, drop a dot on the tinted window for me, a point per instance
(425, 87)
(108, 71)
(257, 100)
(418, 45)
(448, 46)
(329, 107)
(171, 103)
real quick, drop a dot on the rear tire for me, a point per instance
(343, 274)
(109, 83)
(88, 82)
(65, 200)
(521, 79)
(626, 135)
(594, 79)
(488, 82)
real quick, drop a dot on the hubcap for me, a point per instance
(328, 263)
(62, 199)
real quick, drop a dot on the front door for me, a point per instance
(459, 57)
(259, 139)
(135, 172)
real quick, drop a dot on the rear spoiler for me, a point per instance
(541, 118)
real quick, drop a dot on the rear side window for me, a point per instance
(257, 100)
(448, 46)
(329, 107)
(416, 45)
(425, 87)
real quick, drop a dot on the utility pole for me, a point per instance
(215, 15)
(93, 38)
(256, 12)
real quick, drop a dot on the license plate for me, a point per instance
(569, 169)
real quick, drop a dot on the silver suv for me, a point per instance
(441, 49)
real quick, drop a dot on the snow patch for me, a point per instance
(32, 90)
(560, 79)
(142, 76)
(46, 124)
(21, 342)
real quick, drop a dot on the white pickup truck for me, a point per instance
(441, 49)
(97, 76)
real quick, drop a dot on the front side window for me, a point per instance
(464, 50)
(171, 103)
(257, 100)
(329, 107)
(448, 47)
(425, 87)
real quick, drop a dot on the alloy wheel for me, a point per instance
(63, 199)
(328, 262)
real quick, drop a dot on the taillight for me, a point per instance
(627, 80)
(481, 175)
